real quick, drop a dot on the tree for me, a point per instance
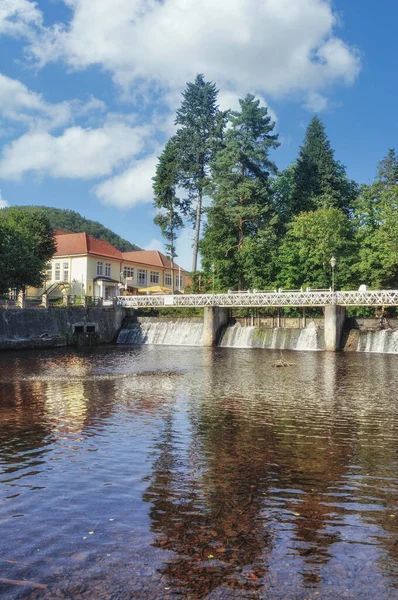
(71, 221)
(310, 242)
(198, 138)
(319, 180)
(388, 169)
(376, 225)
(164, 184)
(27, 244)
(241, 216)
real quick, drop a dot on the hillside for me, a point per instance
(69, 220)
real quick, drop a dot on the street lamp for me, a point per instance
(333, 264)
(213, 270)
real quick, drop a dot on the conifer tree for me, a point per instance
(319, 179)
(388, 169)
(198, 138)
(169, 206)
(241, 214)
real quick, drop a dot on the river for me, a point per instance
(154, 472)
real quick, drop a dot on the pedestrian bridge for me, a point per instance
(264, 298)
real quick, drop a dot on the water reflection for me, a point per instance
(197, 473)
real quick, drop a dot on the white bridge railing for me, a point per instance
(258, 299)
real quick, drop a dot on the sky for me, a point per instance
(89, 90)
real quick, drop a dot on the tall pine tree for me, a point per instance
(198, 139)
(169, 206)
(319, 179)
(241, 215)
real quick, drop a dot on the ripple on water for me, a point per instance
(198, 473)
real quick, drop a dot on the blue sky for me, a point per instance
(89, 88)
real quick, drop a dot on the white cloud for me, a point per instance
(3, 203)
(77, 153)
(18, 17)
(155, 244)
(18, 103)
(316, 102)
(273, 46)
(133, 186)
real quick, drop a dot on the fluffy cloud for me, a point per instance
(18, 17)
(77, 153)
(273, 47)
(3, 203)
(130, 187)
(155, 244)
(18, 103)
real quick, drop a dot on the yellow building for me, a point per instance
(86, 266)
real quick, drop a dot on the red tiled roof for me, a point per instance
(83, 243)
(151, 258)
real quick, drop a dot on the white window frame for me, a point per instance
(100, 268)
(128, 272)
(49, 272)
(178, 282)
(142, 276)
(154, 277)
(65, 271)
(108, 269)
(167, 279)
(57, 271)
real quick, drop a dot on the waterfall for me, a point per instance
(384, 341)
(170, 332)
(238, 336)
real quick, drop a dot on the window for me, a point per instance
(167, 279)
(142, 276)
(66, 271)
(108, 269)
(57, 271)
(100, 268)
(128, 272)
(154, 277)
(49, 272)
(179, 282)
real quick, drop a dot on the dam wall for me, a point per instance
(53, 327)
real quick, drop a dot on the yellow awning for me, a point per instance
(155, 289)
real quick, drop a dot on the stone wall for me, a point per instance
(40, 328)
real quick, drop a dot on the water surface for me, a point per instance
(175, 472)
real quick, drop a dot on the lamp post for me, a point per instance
(333, 264)
(213, 270)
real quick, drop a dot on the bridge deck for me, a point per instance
(264, 299)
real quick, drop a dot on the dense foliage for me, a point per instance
(69, 220)
(265, 229)
(26, 245)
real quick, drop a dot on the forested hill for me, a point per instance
(69, 220)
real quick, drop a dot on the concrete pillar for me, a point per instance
(67, 300)
(20, 300)
(100, 302)
(215, 318)
(44, 301)
(85, 301)
(334, 322)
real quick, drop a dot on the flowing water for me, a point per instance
(147, 330)
(154, 472)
